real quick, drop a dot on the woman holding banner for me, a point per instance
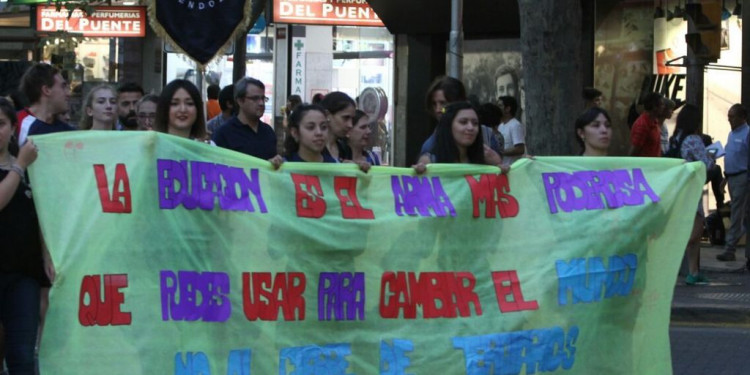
(457, 140)
(307, 133)
(23, 258)
(99, 109)
(594, 132)
(180, 112)
(688, 142)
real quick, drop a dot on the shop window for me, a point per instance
(363, 68)
(14, 15)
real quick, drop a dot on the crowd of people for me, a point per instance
(330, 129)
(649, 137)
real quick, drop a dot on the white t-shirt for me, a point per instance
(514, 133)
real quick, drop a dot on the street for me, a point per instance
(715, 350)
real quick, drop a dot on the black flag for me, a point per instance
(199, 28)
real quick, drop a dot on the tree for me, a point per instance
(550, 47)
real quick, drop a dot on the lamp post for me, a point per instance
(456, 42)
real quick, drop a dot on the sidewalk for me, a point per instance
(726, 300)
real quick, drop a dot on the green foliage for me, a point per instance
(84, 5)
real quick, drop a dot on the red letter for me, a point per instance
(113, 284)
(492, 190)
(255, 307)
(428, 290)
(295, 300)
(506, 203)
(119, 201)
(87, 312)
(397, 289)
(309, 194)
(502, 291)
(106, 311)
(350, 207)
(465, 282)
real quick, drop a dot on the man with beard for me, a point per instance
(128, 95)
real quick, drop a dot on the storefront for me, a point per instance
(338, 46)
(17, 44)
(92, 48)
(640, 47)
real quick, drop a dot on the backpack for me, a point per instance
(675, 147)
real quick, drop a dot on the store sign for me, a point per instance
(298, 67)
(325, 12)
(104, 22)
(669, 47)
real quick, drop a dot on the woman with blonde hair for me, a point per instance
(99, 109)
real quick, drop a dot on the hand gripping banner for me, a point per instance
(200, 28)
(174, 257)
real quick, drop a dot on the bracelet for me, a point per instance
(17, 168)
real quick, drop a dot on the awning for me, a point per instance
(482, 18)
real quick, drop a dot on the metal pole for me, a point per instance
(199, 79)
(455, 45)
(694, 89)
(745, 98)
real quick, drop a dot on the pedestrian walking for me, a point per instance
(735, 170)
(688, 142)
(645, 135)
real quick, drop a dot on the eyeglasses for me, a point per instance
(145, 116)
(256, 98)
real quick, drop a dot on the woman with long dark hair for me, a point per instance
(443, 91)
(180, 111)
(688, 141)
(307, 134)
(456, 137)
(340, 108)
(23, 261)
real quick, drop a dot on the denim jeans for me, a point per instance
(19, 314)
(738, 195)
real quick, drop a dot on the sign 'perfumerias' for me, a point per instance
(175, 257)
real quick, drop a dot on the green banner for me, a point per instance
(175, 257)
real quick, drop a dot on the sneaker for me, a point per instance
(698, 279)
(726, 256)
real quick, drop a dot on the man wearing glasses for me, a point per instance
(145, 109)
(246, 133)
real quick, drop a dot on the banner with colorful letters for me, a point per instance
(175, 257)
